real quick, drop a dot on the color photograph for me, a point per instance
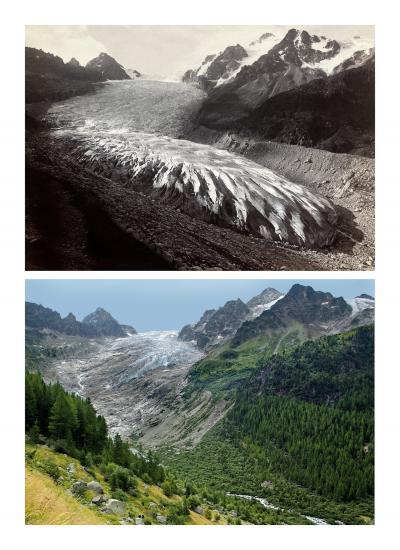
(184, 402)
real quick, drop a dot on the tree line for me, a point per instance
(70, 424)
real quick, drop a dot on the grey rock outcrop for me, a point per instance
(99, 499)
(96, 487)
(114, 506)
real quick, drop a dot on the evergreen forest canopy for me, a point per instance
(70, 425)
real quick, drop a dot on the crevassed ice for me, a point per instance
(240, 191)
(117, 134)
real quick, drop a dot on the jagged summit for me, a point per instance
(217, 67)
(317, 312)
(98, 323)
(74, 62)
(108, 67)
(215, 326)
(104, 323)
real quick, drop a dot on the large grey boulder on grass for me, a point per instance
(114, 506)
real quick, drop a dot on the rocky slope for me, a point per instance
(317, 312)
(348, 180)
(48, 78)
(216, 326)
(216, 68)
(334, 113)
(104, 324)
(98, 323)
(108, 67)
(287, 95)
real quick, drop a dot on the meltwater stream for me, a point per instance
(130, 132)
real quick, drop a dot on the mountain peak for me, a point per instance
(104, 323)
(108, 67)
(366, 297)
(74, 62)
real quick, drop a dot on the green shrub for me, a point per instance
(50, 468)
(119, 494)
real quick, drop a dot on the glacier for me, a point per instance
(111, 137)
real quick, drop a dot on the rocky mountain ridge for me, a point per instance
(108, 67)
(318, 313)
(48, 78)
(217, 325)
(290, 94)
(96, 324)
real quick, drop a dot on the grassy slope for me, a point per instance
(225, 368)
(50, 503)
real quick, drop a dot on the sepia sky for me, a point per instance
(164, 50)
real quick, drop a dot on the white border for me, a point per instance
(383, 15)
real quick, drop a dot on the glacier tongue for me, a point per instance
(212, 184)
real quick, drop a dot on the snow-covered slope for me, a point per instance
(202, 181)
(360, 303)
(289, 59)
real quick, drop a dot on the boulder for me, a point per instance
(267, 484)
(114, 506)
(95, 487)
(234, 514)
(199, 510)
(71, 468)
(152, 505)
(99, 499)
(78, 487)
(161, 519)
(139, 521)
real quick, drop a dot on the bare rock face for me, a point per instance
(216, 67)
(210, 184)
(216, 326)
(108, 67)
(103, 323)
(318, 312)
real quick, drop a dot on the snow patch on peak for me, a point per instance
(359, 304)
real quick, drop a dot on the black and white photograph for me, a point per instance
(200, 148)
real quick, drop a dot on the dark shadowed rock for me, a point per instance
(108, 67)
(103, 323)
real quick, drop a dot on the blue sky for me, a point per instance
(166, 304)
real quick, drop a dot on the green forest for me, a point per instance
(301, 430)
(69, 424)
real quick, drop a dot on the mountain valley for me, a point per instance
(196, 158)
